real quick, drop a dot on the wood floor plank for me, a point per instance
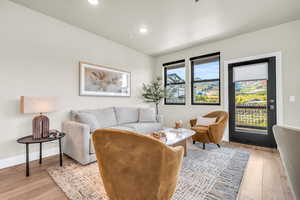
(284, 180)
(251, 187)
(272, 188)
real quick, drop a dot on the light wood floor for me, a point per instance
(264, 179)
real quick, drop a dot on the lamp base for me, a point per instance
(40, 127)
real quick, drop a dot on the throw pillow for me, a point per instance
(89, 119)
(127, 115)
(205, 121)
(147, 115)
(106, 117)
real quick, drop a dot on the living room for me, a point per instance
(243, 144)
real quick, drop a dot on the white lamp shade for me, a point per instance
(38, 104)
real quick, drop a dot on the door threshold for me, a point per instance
(250, 146)
(239, 131)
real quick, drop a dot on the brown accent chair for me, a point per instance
(212, 133)
(135, 166)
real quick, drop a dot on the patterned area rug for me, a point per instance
(211, 174)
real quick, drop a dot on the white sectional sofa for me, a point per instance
(77, 143)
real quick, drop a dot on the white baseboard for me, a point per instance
(20, 159)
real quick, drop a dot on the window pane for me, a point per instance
(176, 75)
(251, 92)
(206, 71)
(251, 113)
(206, 92)
(175, 93)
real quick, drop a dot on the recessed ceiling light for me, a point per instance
(143, 30)
(94, 2)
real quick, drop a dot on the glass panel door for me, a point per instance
(252, 101)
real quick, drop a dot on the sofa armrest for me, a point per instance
(216, 132)
(77, 140)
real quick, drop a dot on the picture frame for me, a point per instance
(100, 80)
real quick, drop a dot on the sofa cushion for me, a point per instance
(127, 115)
(74, 114)
(144, 128)
(89, 119)
(105, 117)
(147, 115)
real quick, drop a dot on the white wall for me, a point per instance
(284, 38)
(39, 56)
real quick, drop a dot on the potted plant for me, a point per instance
(154, 92)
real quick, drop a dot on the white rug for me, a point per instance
(210, 174)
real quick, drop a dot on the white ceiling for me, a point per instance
(172, 24)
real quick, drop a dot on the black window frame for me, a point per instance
(207, 80)
(165, 66)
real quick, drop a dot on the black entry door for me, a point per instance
(252, 102)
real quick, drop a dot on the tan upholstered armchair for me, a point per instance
(212, 133)
(134, 166)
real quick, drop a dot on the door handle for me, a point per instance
(271, 107)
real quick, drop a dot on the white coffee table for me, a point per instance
(177, 137)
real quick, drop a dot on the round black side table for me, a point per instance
(29, 140)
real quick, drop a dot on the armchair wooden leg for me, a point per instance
(203, 145)
(218, 145)
(194, 142)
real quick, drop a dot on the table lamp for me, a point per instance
(40, 123)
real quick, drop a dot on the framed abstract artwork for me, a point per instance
(99, 80)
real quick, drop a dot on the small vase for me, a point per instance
(178, 124)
